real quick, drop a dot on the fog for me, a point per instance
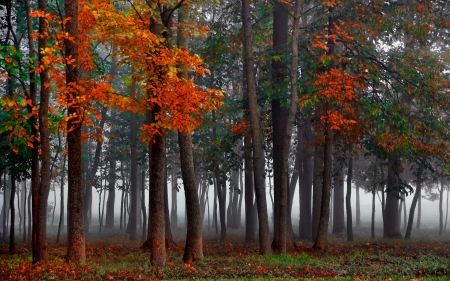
(429, 217)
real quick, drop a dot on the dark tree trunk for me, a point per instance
(76, 252)
(12, 245)
(279, 116)
(91, 175)
(157, 210)
(441, 211)
(446, 211)
(257, 141)
(358, 207)
(391, 221)
(193, 250)
(167, 229)
(34, 189)
(419, 212)
(109, 220)
(174, 205)
(62, 206)
(374, 191)
(414, 202)
(133, 174)
(348, 202)
(338, 201)
(305, 182)
(321, 239)
(317, 188)
(249, 192)
(144, 208)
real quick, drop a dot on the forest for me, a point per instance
(176, 139)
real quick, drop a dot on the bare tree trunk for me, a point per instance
(157, 213)
(414, 201)
(317, 188)
(144, 208)
(441, 211)
(322, 233)
(193, 250)
(338, 200)
(419, 212)
(358, 207)
(12, 245)
(249, 191)
(348, 201)
(62, 206)
(173, 205)
(446, 212)
(305, 182)
(133, 173)
(257, 141)
(392, 222)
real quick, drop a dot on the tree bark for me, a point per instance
(62, 206)
(317, 188)
(133, 173)
(338, 200)
(109, 220)
(321, 239)
(305, 181)
(391, 222)
(193, 250)
(348, 201)
(249, 191)
(157, 213)
(414, 201)
(441, 211)
(257, 141)
(76, 252)
(279, 120)
(12, 245)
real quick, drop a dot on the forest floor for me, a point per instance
(114, 257)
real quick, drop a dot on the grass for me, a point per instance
(117, 259)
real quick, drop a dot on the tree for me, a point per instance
(76, 252)
(258, 155)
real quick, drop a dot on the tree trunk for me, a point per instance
(144, 208)
(76, 252)
(133, 173)
(12, 245)
(167, 229)
(257, 141)
(446, 212)
(321, 239)
(173, 205)
(414, 201)
(109, 220)
(391, 222)
(34, 189)
(91, 175)
(441, 211)
(419, 212)
(338, 201)
(317, 188)
(305, 181)
(279, 119)
(358, 207)
(372, 225)
(348, 200)
(249, 191)
(62, 206)
(193, 250)
(157, 213)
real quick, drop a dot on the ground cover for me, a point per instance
(116, 258)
